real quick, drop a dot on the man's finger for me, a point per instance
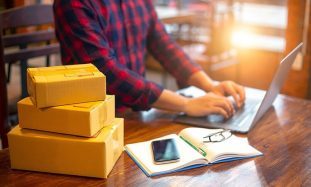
(224, 103)
(241, 92)
(217, 110)
(231, 91)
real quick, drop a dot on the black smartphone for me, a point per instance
(165, 151)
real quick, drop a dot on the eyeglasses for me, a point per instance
(217, 136)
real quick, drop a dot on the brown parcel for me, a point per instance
(64, 85)
(65, 154)
(83, 119)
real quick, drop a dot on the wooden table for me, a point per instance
(283, 135)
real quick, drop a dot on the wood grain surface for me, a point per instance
(283, 135)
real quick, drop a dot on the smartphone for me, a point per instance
(165, 151)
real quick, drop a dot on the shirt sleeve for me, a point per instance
(77, 29)
(170, 55)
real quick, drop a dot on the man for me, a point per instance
(114, 35)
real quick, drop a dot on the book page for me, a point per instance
(142, 153)
(229, 149)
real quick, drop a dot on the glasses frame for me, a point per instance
(221, 133)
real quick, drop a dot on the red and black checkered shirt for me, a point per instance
(114, 35)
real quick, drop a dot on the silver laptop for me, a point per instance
(256, 103)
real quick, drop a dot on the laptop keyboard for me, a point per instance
(239, 116)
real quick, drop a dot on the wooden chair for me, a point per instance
(4, 125)
(29, 45)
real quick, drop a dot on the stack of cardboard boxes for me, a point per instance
(68, 123)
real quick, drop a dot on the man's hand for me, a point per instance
(226, 88)
(230, 88)
(210, 103)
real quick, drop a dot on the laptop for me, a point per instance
(255, 105)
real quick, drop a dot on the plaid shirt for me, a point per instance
(114, 35)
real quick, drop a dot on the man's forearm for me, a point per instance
(171, 101)
(201, 80)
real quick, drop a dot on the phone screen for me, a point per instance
(165, 151)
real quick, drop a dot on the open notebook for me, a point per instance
(193, 152)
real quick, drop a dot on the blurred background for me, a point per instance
(243, 40)
(240, 40)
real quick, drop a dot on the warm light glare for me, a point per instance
(242, 38)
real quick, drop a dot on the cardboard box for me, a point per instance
(83, 119)
(63, 85)
(64, 154)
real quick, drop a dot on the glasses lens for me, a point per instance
(221, 136)
(226, 134)
(217, 137)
